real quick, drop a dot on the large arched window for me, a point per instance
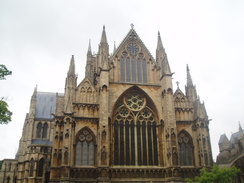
(185, 149)
(85, 148)
(135, 132)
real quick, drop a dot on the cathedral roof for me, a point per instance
(45, 105)
(236, 135)
(223, 138)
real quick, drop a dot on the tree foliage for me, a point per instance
(5, 114)
(215, 175)
(4, 72)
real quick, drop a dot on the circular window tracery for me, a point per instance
(134, 101)
(132, 48)
(146, 113)
(85, 136)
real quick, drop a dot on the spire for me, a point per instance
(160, 44)
(240, 128)
(103, 51)
(190, 88)
(166, 67)
(189, 80)
(104, 37)
(114, 46)
(161, 57)
(89, 52)
(34, 93)
(71, 71)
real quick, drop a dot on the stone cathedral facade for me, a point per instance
(122, 123)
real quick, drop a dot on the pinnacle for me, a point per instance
(189, 79)
(160, 44)
(72, 66)
(89, 52)
(104, 37)
(114, 46)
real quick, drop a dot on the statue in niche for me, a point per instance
(175, 157)
(103, 137)
(103, 155)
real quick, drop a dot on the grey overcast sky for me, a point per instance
(37, 39)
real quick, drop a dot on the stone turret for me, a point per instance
(167, 102)
(70, 86)
(103, 77)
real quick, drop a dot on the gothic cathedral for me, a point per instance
(122, 123)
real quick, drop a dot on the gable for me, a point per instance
(179, 96)
(133, 45)
(133, 63)
(85, 92)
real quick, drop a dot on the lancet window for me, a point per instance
(185, 149)
(133, 65)
(42, 130)
(85, 149)
(135, 132)
(32, 164)
(40, 167)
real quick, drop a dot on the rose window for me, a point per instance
(134, 101)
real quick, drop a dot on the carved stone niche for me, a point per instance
(194, 127)
(103, 137)
(103, 155)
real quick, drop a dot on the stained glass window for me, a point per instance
(39, 130)
(133, 65)
(135, 132)
(85, 149)
(122, 70)
(32, 163)
(128, 70)
(44, 131)
(40, 167)
(185, 149)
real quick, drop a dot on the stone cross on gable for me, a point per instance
(177, 82)
(132, 26)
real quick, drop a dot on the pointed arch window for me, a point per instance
(32, 163)
(8, 179)
(85, 148)
(133, 65)
(135, 132)
(185, 149)
(42, 130)
(39, 130)
(40, 167)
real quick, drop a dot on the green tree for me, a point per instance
(4, 72)
(215, 175)
(5, 114)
